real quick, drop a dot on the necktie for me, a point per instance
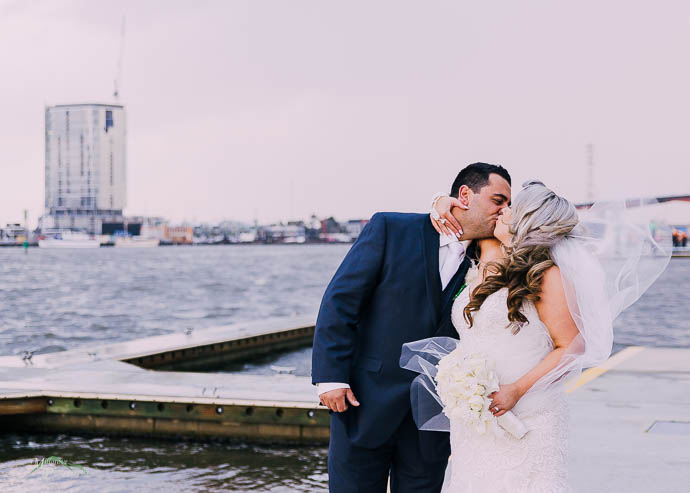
(456, 250)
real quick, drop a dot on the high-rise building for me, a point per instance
(85, 166)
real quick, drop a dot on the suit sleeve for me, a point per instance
(343, 301)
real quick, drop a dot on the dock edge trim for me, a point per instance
(592, 373)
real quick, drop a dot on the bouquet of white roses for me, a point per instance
(464, 382)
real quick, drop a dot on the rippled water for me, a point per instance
(51, 300)
(125, 465)
(55, 300)
(662, 316)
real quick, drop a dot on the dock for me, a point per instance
(137, 388)
(195, 349)
(630, 423)
(681, 253)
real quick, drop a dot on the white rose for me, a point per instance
(476, 403)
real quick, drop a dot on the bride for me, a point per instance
(539, 309)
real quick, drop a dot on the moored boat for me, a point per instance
(136, 242)
(69, 239)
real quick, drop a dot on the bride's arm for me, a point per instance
(553, 311)
(441, 217)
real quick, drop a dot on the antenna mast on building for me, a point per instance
(590, 172)
(118, 72)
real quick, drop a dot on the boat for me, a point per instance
(289, 240)
(136, 242)
(247, 237)
(69, 239)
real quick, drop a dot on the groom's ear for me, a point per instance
(464, 195)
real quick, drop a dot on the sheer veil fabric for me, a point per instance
(606, 264)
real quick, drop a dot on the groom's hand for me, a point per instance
(336, 400)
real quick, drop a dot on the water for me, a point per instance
(52, 300)
(56, 300)
(661, 317)
(123, 465)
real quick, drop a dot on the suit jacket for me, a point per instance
(386, 292)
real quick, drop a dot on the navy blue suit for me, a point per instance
(386, 292)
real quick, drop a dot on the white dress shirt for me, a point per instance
(452, 251)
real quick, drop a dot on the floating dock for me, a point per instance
(113, 389)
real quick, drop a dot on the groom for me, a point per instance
(396, 285)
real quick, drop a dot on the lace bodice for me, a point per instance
(513, 354)
(487, 463)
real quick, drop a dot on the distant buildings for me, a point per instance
(354, 227)
(334, 232)
(314, 230)
(179, 235)
(292, 233)
(86, 190)
(85, 167)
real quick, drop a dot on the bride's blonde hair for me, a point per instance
(540, 219)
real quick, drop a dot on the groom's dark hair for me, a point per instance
(476, 177)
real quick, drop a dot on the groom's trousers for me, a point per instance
(353, 469)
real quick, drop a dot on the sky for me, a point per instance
(274, 110)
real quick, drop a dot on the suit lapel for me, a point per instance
(454, 285)
(430, 240)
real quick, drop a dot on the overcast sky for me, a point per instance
(277, 109)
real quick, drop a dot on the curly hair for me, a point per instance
(540, 219)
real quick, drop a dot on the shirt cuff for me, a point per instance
(435, 198)
(432, 210)
(328, 386)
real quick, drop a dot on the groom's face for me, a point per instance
(479, 220)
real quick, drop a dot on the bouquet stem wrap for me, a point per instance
(512, 424)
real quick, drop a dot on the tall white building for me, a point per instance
(86, 166)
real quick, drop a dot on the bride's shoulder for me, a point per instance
(552, 291)
(552, 281)
(553, 310)
(551, 276)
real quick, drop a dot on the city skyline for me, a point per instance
(276, 111)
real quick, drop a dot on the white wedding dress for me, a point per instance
(537, 463)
